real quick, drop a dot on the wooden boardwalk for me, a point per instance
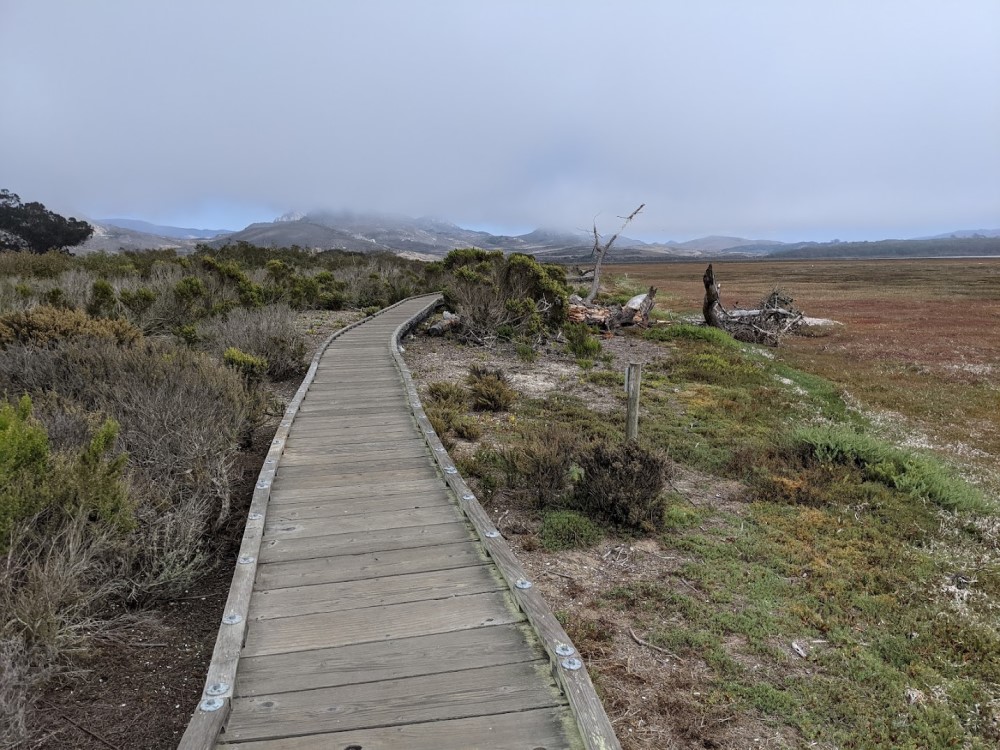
(374, 608)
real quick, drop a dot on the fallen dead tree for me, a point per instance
(775, 317)
(634, 312)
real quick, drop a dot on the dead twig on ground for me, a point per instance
(649, 645)
(83, 729)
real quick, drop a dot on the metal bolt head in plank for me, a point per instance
(246, 559)
(468, 496)
(523, 583)
(451, 470)
(571, 664)
(255, 516)
(276, 441)
(564, 649)
(263, 484)
(232, 619)
(492, 533)
(218, 688)
(211, 704)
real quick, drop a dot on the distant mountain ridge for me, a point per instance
(430, 237)
(160, 230)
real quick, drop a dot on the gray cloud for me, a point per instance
(772, 119)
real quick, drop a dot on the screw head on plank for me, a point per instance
(211, 704)
(218, 688)
(571, 664)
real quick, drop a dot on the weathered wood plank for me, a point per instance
(351, 465)
(357, 523)
(324, 434)
(306, 448)
(455, 695)
(365, 452)
(410, 537)
(339, 435)
(361, 489)
(353, 506)
(335, 479)
(403, 657)
(522, 730)
(368, 565)
(373, 592)
(377, 624)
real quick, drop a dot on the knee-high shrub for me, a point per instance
(621, 486)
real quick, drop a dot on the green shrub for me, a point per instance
(35, 265)
(621, 486)
(540, 465)
(137, 302)
(447, 394)
(45, 326)
(494, 292)
(526, 352)
(467, 428)
(580, 342)
(921, 477)
(103, 300)
(714, 336)
(443, 420)
(182, 414)
(490, 390)
(250, 367)
(717, 368)
(34, 481)
(566, 529)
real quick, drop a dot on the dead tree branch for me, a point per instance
(602, 250)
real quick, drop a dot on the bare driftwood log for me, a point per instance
(448, 322)
(775, 317)
(635, 312)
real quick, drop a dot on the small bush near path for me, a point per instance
(566, 529)
(490, 390)
(620, 486)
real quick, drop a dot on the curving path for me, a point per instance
(374, 606)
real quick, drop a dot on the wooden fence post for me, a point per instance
(633, 375)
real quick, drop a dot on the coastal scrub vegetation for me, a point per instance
(130, 387)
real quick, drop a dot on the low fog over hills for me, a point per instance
(432, 238)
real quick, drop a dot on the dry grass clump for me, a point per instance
(182, 414)
(45, 325)
(268, 333)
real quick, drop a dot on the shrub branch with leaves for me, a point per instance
(495, 293)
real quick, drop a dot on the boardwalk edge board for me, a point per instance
(567, 666)
(213, 707)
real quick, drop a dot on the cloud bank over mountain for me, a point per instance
(775, 119)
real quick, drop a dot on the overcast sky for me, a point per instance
(791, 119)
